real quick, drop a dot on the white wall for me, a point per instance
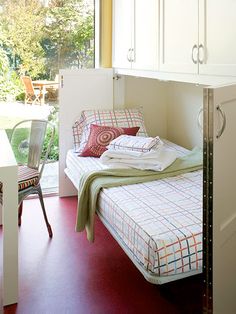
(183, 103)
(151, 95)
(170, 109)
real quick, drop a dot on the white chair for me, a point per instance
(31, 152)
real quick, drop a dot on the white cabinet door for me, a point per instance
(84, 89)
(123, 24)
(146, 26)
(220, 198)
(179, 36)
(218, 37)
(135, 34)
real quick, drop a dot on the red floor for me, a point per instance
(68, 275)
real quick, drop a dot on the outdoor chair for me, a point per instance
(33, 95)
(31, 152)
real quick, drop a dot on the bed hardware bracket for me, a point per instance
(116, 77)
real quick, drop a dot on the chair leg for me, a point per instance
(20, 209)
(44, 212)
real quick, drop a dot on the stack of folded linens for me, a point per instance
(145, 153)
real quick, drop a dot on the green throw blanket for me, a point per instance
(92, 182)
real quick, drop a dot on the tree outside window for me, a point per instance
(40, 37)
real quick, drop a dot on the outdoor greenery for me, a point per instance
(9, 83)
(54, 152)
(22, 136)
(39, 37)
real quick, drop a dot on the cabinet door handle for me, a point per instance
(199, 120)
(201, 47)
(193, 49)
(220, 132)
(129, 55)
(132, 55)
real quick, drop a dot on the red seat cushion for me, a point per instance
(26, 177)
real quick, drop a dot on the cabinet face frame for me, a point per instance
(219, 199)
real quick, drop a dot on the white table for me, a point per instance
(8, 176)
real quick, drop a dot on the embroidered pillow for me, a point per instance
(101, 136)
(123, 118)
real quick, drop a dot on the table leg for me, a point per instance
(43, 95)
(10, 235)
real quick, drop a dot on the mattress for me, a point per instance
(158, 223)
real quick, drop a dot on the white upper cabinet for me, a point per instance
(217, 35)
(146, 26)
(198, 36)
(123, 28)
(192, 39)
(135, 34)
(179, 36)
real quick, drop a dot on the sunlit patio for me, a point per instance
(19, 109)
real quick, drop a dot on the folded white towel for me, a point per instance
(135, 143)
(154, 160)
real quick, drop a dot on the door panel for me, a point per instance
(79, 90)
(217, 35)
(123, 27)
(178, 35)
(221, 201)
(146, 34)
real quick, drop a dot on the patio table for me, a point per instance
(43, 85)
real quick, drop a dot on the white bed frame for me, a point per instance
(96, 93)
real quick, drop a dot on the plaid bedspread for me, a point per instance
(159, 222)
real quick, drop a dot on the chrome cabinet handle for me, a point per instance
(194, 60)
(220, 132)
(199, 124)
(201, 47)
(132, 55)
(129, 55)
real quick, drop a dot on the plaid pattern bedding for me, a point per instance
(162, 228)
(117, 118)
(135, 143)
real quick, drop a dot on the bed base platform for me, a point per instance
(149, 276)
(154, 279)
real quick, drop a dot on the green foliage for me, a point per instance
(4, 63)
(10, 85)
(54, 152)
(22, 23)
(39, 39)
(21, 135)
(70, 33)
